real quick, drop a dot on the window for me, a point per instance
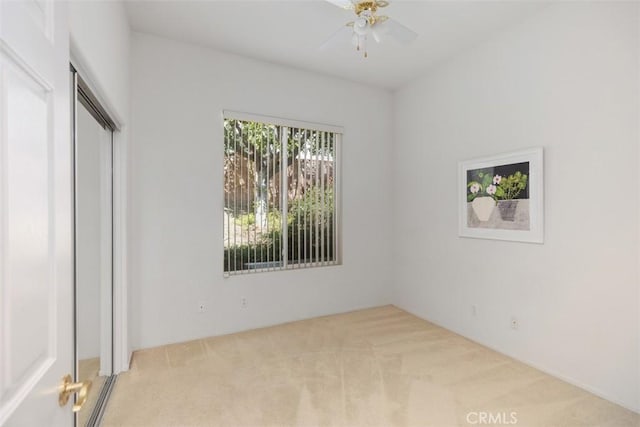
(281, 194)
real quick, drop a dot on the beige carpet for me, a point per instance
(377, 367)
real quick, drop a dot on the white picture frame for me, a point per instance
(504, 209)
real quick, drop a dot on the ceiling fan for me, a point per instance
(368, 24)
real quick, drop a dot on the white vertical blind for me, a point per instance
(284, 192)
(281, 201)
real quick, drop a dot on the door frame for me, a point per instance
(121, 348)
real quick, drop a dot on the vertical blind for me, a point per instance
(281, 200)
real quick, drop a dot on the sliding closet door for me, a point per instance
(93, 255)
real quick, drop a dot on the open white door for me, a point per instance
(36, 252)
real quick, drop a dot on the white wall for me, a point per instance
(100, 45)
(100, 41)
(567, 80)
(179, 92)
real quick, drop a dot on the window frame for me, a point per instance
(337, 188)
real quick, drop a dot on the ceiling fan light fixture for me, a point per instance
(367, 22)
(361, 26)
(354, 40)
(367, 6)
(362, 45)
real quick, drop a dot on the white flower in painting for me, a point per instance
(491, 190)
(474, 188)
(497, 179)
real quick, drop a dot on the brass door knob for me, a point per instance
(68, 387)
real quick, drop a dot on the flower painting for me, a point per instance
(505, 188)
(502, 197)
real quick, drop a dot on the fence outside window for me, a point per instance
(281, 194)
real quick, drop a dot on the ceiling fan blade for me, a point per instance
(343, 4)
(342, 36)
(397, 31)
(378, 33)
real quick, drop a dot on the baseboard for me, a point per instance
(593, 390)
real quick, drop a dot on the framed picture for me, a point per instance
(501, 197)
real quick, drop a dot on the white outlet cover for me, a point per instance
(514, 323)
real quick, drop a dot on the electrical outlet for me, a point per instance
(474, 310)
(202, 306)
(514, 323)
(243, 302)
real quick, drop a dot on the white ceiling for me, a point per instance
(291, 32)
